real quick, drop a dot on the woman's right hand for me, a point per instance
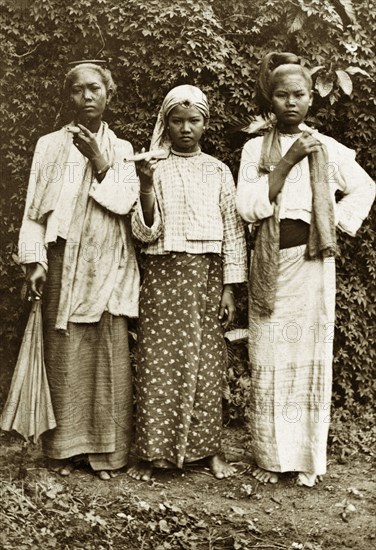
(145, 170)
(36, 276)
(302, 147)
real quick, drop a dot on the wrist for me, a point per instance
(147, 190)
(145, 181)
(287, 161)
(228, 289)
(100, 164)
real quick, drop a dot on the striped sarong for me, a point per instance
(90, 379)
(181, 358)
(291, 360)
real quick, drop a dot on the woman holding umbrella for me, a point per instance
(77, 247)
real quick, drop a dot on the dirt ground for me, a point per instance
(183, 510)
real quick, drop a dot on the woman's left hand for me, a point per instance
(227, 307)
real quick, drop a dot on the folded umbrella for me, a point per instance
(28, 409)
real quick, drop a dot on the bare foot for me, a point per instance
(105, 475)
(307, 480)
(265, 476)
(220, 468)
(142, 471)
(67, 469)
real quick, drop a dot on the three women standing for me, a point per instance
(76, 224)
(287, 185)
(75, 238)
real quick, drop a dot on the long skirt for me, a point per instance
(181, 359)
(90, 379)
(291, 360)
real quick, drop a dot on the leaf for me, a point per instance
(54, 490)
(298, 22)
(316, 69)
(354, 491)
(252, 526)
(144, 505)
(259, 123)
(357, 70)
(344, 81)
(323, 86)
(163, 526)
(239, 511)
(345, 10)
(94, 519)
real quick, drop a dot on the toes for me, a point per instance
(219, 468)
(307, 480)
(140, 472)
(264, 476)
(66, 470)
(229, 471)
(259, 474)
(134, 473)
(103, 475)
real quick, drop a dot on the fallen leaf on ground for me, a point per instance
(163, 526)
(54, 490)
(350, 509)
(252, 526)
(239, 511)
(354, 491)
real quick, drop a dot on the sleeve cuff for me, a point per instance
(232, 275)
(143, 232)
(115, 197)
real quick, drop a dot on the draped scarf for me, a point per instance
(49, 179)
(322, 233)
(49, 182)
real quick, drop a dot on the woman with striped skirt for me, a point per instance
(287, 184)
(76, 242)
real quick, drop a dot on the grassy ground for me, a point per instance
(189, 510)
(183, 510)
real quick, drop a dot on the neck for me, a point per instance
(285, 129)
(189, 150)
(185, 153)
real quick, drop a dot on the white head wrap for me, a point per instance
(185, 95)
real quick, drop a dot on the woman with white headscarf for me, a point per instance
(195, 250)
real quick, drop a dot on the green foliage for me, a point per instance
(156, 44)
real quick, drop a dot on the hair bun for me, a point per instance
(275, 59)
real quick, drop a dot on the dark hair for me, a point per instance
(273, 65)
(105, 75)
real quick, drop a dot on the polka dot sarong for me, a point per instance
(181, 358)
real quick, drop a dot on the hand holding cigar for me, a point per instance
(154, 154)
(73, 129)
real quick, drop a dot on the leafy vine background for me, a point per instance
(152, 45)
